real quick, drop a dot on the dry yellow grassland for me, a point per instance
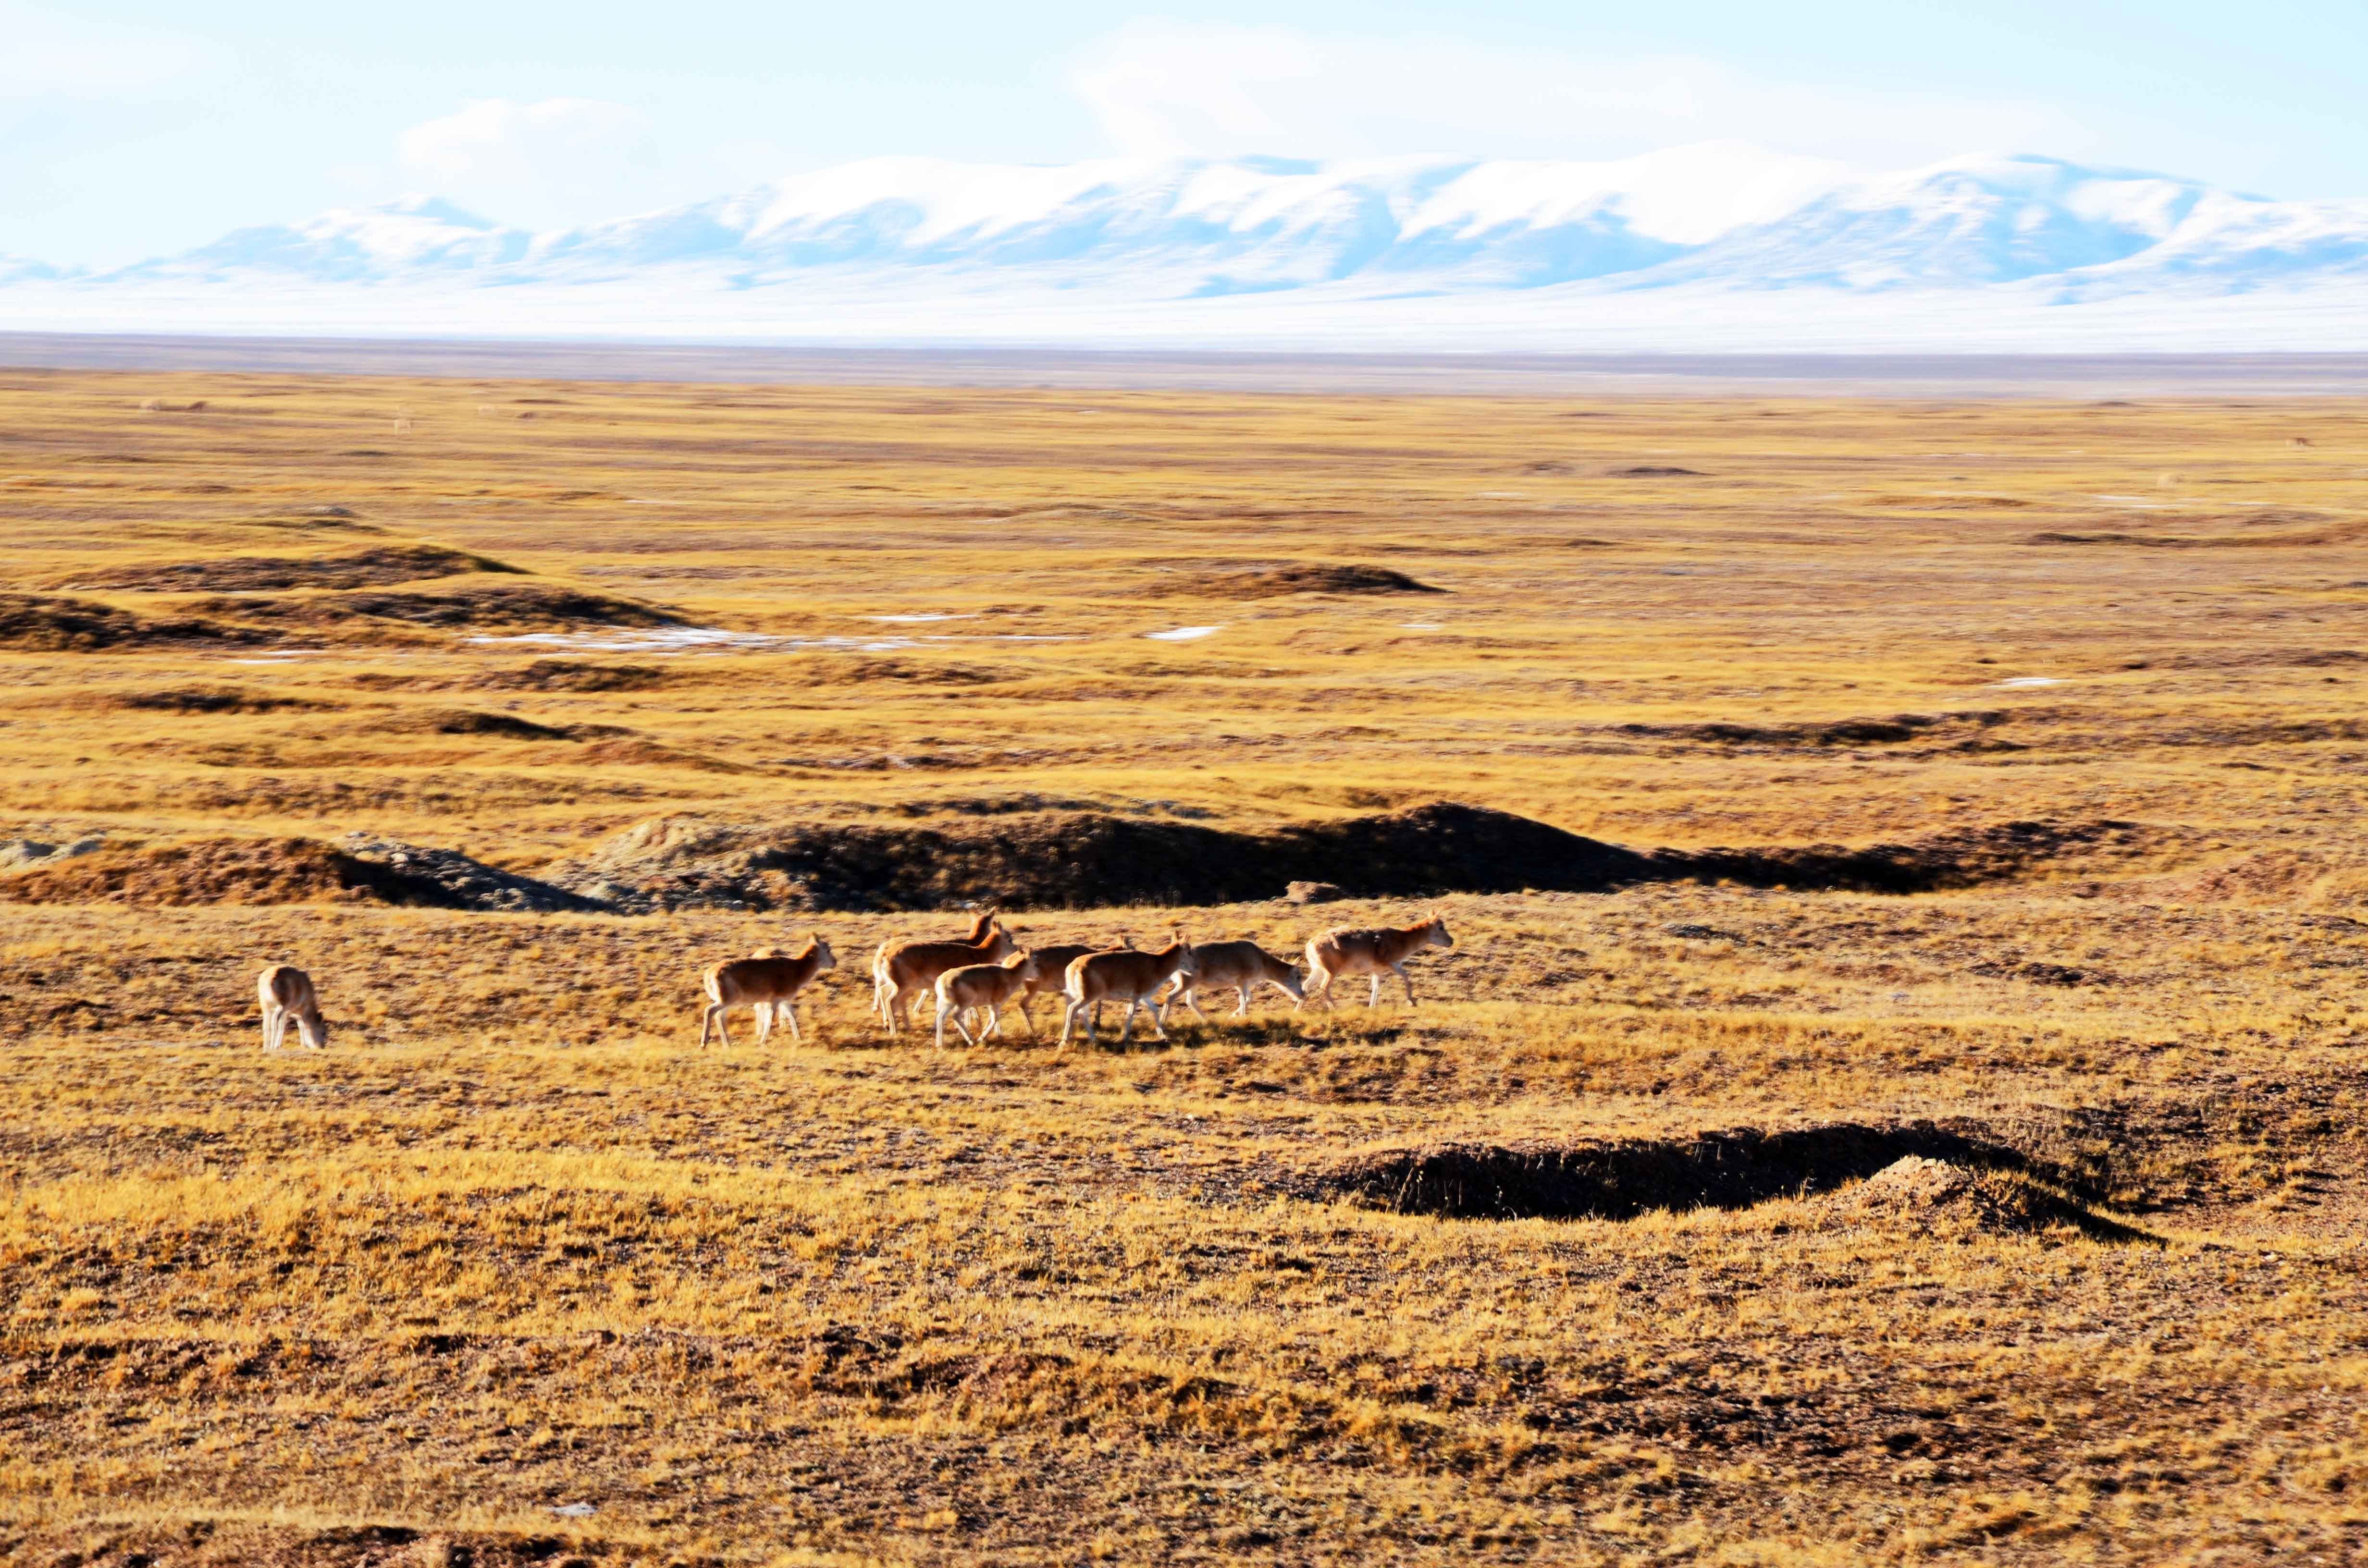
(512, 1272)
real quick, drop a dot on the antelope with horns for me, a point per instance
(901, 971)
(982, 985)
(1124, 975)
(288, 998)
(1244, 966)
(1344, 951)
(769, 983)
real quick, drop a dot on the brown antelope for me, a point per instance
(1124, 975)
(1053, 975)
(768, 983)
(288, 998)
(1343, 950)
(901, 971)
(987, 985)
(1244, 966)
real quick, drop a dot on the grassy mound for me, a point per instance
(522, 607)
(1304, 578)
(41, 623)
(572, 675)
(213, 871)
(1092, 859)
(251, 574)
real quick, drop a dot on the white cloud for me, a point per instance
(48, 53)
(556, 161)
(1163, 90)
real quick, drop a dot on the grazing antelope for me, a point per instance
(769, 983)
(901, 971)
(1343, 950)
(1244, 966)
(987, 985)
(1124, 975)
(1053, 975)
(288, 996)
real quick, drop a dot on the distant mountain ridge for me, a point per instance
(1720, 221)
(1732, 214)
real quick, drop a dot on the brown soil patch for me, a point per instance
(2276, 876)
(201, 1542)
(633, 751)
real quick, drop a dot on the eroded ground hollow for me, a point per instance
(1621, 1178)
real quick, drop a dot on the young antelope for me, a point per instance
(1382, 951)
(768, 983)
(982, 985)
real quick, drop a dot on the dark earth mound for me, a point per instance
(572, 675)
(1654, 470)
(1042, 860)
(453, 880)
(254, 574)
(1920, 1173)
(1305, 578)
(212, 870)
(38, 623)
(468, 722)
(1620, 1178)
(1962, 857)
(1836, 732)
(526, 606)
(212, 700)
(1087, 859)
(829, 671)
(2292, 531)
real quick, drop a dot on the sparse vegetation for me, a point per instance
(1967, 1167)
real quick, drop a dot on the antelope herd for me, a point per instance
(975, 977)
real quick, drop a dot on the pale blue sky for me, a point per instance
(133, 127)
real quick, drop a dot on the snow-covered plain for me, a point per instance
(1709, 247)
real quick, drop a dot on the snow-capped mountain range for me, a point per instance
(1716, 233)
